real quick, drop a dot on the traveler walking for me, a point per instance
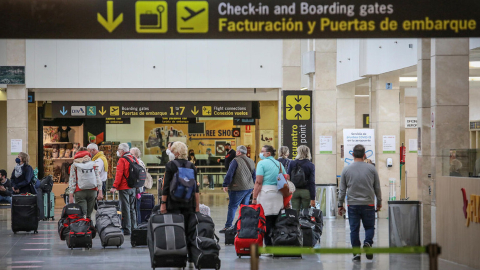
(5, 188)
(175, 205)
(102, 164)
(301, 172)
(22, 175)
(283, 154)
(239, 183)
(126, 193)
(361, 184)
(84, 182)
(266, 192)
(148, 180)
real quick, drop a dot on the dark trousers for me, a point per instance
(270, 224)
(104, 188)
(365, 214)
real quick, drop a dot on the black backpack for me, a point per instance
(137, 174)
(287, 229)
(297, 177)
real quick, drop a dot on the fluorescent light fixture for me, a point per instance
(362, 95)
(474, 64)
(474, 79)
(408, 79)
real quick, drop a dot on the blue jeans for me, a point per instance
(236, 198)
(4, 199)
(366, 214)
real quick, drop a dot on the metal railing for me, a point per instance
(433, 250)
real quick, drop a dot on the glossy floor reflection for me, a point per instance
(45, 250)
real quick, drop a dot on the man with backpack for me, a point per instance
(84, 182)
(301, 172)
(239, 183)
(102, 163)
(125, 192)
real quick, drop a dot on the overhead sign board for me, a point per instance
(244, 121)
(157, 109)
(114, 120)
(297, 120)
(237, 19)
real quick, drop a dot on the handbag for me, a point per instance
(282, 184)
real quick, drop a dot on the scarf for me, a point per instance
(18, 170)
(101, 156)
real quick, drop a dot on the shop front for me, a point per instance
(204, 126)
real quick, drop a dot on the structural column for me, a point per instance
(449, 108)
(345, 117)
(424, 163)
(325, 109)
(17, 103)
(386, 122)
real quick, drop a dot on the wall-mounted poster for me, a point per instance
(352, 137)
(266, 137)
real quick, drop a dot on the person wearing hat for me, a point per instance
(239, 183)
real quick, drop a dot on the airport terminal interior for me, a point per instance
(410, 98)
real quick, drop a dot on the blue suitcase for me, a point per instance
(144, 207)
(49, 206)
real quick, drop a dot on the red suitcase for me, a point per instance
(250, 228)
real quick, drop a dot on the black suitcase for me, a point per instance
(307, 235)
(25, 213)
(166, 240)
(203, 243)
(144, 207)
(139, 235)
(230, 234)
(287, 229)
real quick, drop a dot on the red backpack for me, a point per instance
(250, 228)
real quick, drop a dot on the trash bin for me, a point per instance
(326, 199)
(404, 223)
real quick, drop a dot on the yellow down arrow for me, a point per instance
(110, 24)
(194, 111)
(102, 111)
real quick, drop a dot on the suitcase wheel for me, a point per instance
(35, 231)
(53, 218)
(133, 244)
(239, 256)
(14, 232)
(118, 246)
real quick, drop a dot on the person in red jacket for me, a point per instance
(126, 194)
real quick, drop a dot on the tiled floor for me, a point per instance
(45, 250)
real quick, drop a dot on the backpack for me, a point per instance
(182, 186)
(250, 228)
(86, 178)
(46, 184)
(138, 174)
(287, 229)
(297, 177)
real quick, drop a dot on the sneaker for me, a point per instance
(368, 255)
(223, 230)
(356, 258)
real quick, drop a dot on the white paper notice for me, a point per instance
(247, 138)
(16, 146)
(389, 144)
(412, 146)
(326, 145)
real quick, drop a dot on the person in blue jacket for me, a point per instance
(22, 175)
(304, 195)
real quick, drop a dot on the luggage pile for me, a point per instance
(287, 229)
(250, 228)
(203, 243)
(311, 222)
(76, 230)
(109, 225)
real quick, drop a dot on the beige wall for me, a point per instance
(33, 135)
(459, 243)
(268, 121)
(3, 135)
(361, 108)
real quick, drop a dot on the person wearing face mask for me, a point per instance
(229, 156)
(171, 156)
(126, 194)
(265, 191)
(102, 164)
(22, 175)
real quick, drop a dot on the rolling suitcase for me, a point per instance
(203, 249)
(109, 226)
(144, 207)
(139, 235)
(80, 234)
(250, 228)
(166, 240)
(109, 202)
(25, 213)
(287, 231)
(230, 235)
(49, 205)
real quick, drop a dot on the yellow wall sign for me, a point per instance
(298, 107)
(192, 16)
(471, 208)
(151, 17)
